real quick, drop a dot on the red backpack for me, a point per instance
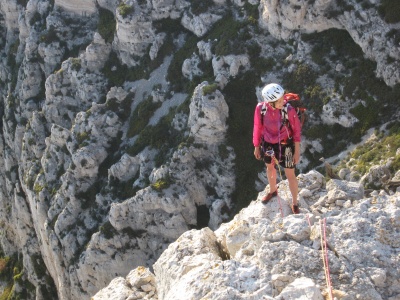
(295, 102)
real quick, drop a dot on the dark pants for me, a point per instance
(282, 152)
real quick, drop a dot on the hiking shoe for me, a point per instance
(295, 209)
(268, 196)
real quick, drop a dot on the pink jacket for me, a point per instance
(272, 122)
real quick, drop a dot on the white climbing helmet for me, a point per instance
(272, 92)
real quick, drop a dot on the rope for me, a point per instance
(280, 174)
(308, 220)
(325, 257)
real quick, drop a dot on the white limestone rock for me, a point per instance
(376, 177)
(190, 67)
(225, 67)
(207, 118)
(125, 168)
(253, 260)
(340, 189)
(200, 24)
(134, 34)
(162, 9)
(301, 288)
(52, 54)
(96, 54)
(205, 50)
(194, 251)
(79, 7)
(338, 111)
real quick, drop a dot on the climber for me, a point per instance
(276, 138)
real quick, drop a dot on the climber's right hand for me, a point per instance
(257, 153)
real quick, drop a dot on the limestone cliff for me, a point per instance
(127, 124)
(266, 252)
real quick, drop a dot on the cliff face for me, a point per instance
(265, 252)
(106, 157)
(359, 18)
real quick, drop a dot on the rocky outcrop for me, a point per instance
(101, 170)
(265, 252)
(208, 114)
(81, 7)
(283, 19)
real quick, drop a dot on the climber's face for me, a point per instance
(278, 104)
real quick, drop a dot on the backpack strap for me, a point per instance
(263, 112)
(284, 116)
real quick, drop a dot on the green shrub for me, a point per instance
(372, 152)
(394, 34)
(125, 9)
(141, 116)
(241, 100)
(36, 18)
(107, 24)
(37, 188)
(252, 12)
(229, 35)
(199, 7)
(5, 267)
(390, 10)
(76, 64)
(49, 36)
(162, 184)
(23, 3)
(82, 137)
(7, 292)
(108, 230)
(209, 89)
(88, 197)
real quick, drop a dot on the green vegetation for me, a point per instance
(141, 116)
(228, 36)
(17, 286)
(162, 184)
(82, 138)
(107, 24)
(231, 36)
(75, 64)
(242, 101)
(23, 3)
(374, 151)
(49, 36)
(122, 109)
(174, 76)
(334, 44)
(199, 7)
(394, 34)
(359, 82)
(209, 89)
(108, 230)
(125, 9)
(37, 188)
(88, 197)
(161, 136)
(390, 10)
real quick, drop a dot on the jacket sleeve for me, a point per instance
(294, 124)
(257, 128)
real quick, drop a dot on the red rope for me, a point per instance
(324, 246)
(308, 220)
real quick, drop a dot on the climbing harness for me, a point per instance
(325, 257)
